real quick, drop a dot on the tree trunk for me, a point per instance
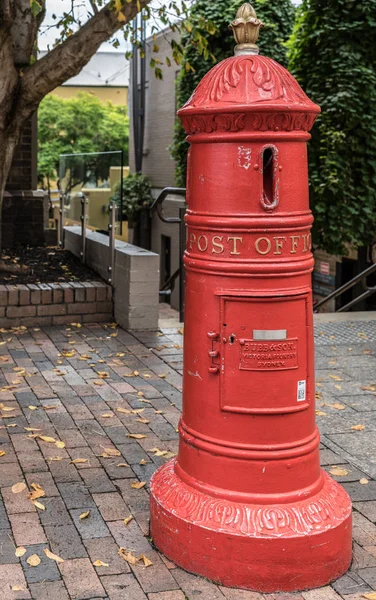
(8, 145)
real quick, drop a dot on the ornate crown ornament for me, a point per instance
(246, 27)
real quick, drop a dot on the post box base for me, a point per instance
(266, 548)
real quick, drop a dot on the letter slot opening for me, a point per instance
(269, 170)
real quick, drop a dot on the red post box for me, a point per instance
(246, 503)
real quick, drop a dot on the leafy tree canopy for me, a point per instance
(81, 124)
(333, 56)
(278, 18)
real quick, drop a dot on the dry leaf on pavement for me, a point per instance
(52, 556)
(137, 485)
(358, 427)
(20, 551)
(18, 487)
(338, 471)
(33, 560)
(99, 563)
(85, 515)
(126, 520)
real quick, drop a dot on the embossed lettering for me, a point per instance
(192, 240)
(260, 245)
(217, 245)
(294, 243)
(235, 240)
(279, 241)
(204, 246)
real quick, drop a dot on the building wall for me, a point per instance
(159, 118)
(116, 95)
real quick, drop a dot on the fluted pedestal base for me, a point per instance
(267, 548)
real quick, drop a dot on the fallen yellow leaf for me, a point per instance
(78, 461)
(370, 596)
(320, 413)
(363, 481)
(358, 427)
(52, 556)
(147, 561)
(126, 521)
(85, 515)
(18, 487)
(123, 465)
(99, 563)
(33, 560)
(128, 556)
(137, 485)
(107, 452)
(136, 436)
(20, 551)
(46, 438)
(107, 415)
(59, 444)
(2, 453)
(144, 421)
(338, 471)
(125, 411)
(39, 505)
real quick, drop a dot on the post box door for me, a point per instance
(264, 367)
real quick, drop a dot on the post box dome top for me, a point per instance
(250, 83)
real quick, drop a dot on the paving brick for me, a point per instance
(76, 495)
(176, 595)
(93, 526)
(10, 473)
(27, 529)
(4, 522)
(32, 462)
(47, 569)
(360, 492)
(65, 541)
(112, 506)
(12, 576)
(81, 579)
(45, 481)
(97, 481)
(106, 550)
(123, 586)
(56, 512)
(17, 503)
(7, 546)
(49, 590)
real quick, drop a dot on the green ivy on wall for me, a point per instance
(333, 56)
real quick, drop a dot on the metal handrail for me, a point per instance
(168, 286)
(360, 278)
(157, 204)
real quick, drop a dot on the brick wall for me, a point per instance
(25, 217)
(55, 303)
(23, 174)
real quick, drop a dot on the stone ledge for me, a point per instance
(136, 276)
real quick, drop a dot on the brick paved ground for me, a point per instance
(54, 383)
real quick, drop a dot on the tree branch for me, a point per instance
(68, 58)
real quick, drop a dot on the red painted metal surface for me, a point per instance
(246, 503)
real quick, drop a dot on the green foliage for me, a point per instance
(333, 56)
(79, 124)
(211, 20)
(136, 196)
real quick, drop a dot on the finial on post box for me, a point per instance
(246, 27)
